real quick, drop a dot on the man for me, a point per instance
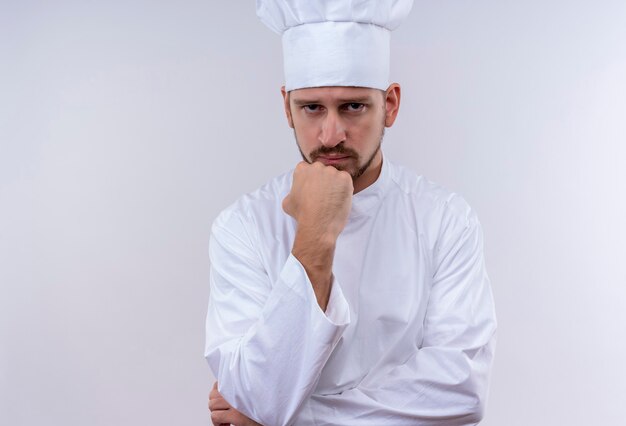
(350, 291)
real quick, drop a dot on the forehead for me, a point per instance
(334, 94)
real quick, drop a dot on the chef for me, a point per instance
(349, 290)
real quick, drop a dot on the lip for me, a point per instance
(333, 159)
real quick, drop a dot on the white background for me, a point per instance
(126, 126)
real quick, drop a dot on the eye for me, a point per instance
(311, 108)
(354, 107)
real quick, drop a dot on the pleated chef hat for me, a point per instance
(334, 42)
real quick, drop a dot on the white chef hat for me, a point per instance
(334, 42)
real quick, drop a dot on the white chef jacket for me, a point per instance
(409, 331)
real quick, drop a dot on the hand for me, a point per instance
(320, 198)
(223, 414)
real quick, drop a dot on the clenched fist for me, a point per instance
(320, 200)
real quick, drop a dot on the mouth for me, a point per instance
(332, 159)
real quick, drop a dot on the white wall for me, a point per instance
(125, 127)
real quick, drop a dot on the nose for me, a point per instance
(333, 131)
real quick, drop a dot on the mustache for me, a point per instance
(335, 150)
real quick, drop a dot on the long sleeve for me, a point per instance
(266, 342)
(445, 381)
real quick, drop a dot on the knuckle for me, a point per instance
(330, 171)
(346, 176)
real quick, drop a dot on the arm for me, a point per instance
(268, 342)
(446, 380)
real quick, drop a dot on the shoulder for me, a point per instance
(265, 201)
(439, 216)
(443, 218)
(430, 199)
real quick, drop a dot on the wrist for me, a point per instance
(316, 247)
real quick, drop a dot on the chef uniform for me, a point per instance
(408, 334)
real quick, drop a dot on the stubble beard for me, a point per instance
(340, 149)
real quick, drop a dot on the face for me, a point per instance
(343, 127)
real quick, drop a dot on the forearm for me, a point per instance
(436, 386)
(315, 252)
(269, 371)
(320, 201)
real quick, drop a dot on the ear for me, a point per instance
(392, 104)
(287, 106)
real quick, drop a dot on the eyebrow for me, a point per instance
(358, 100)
